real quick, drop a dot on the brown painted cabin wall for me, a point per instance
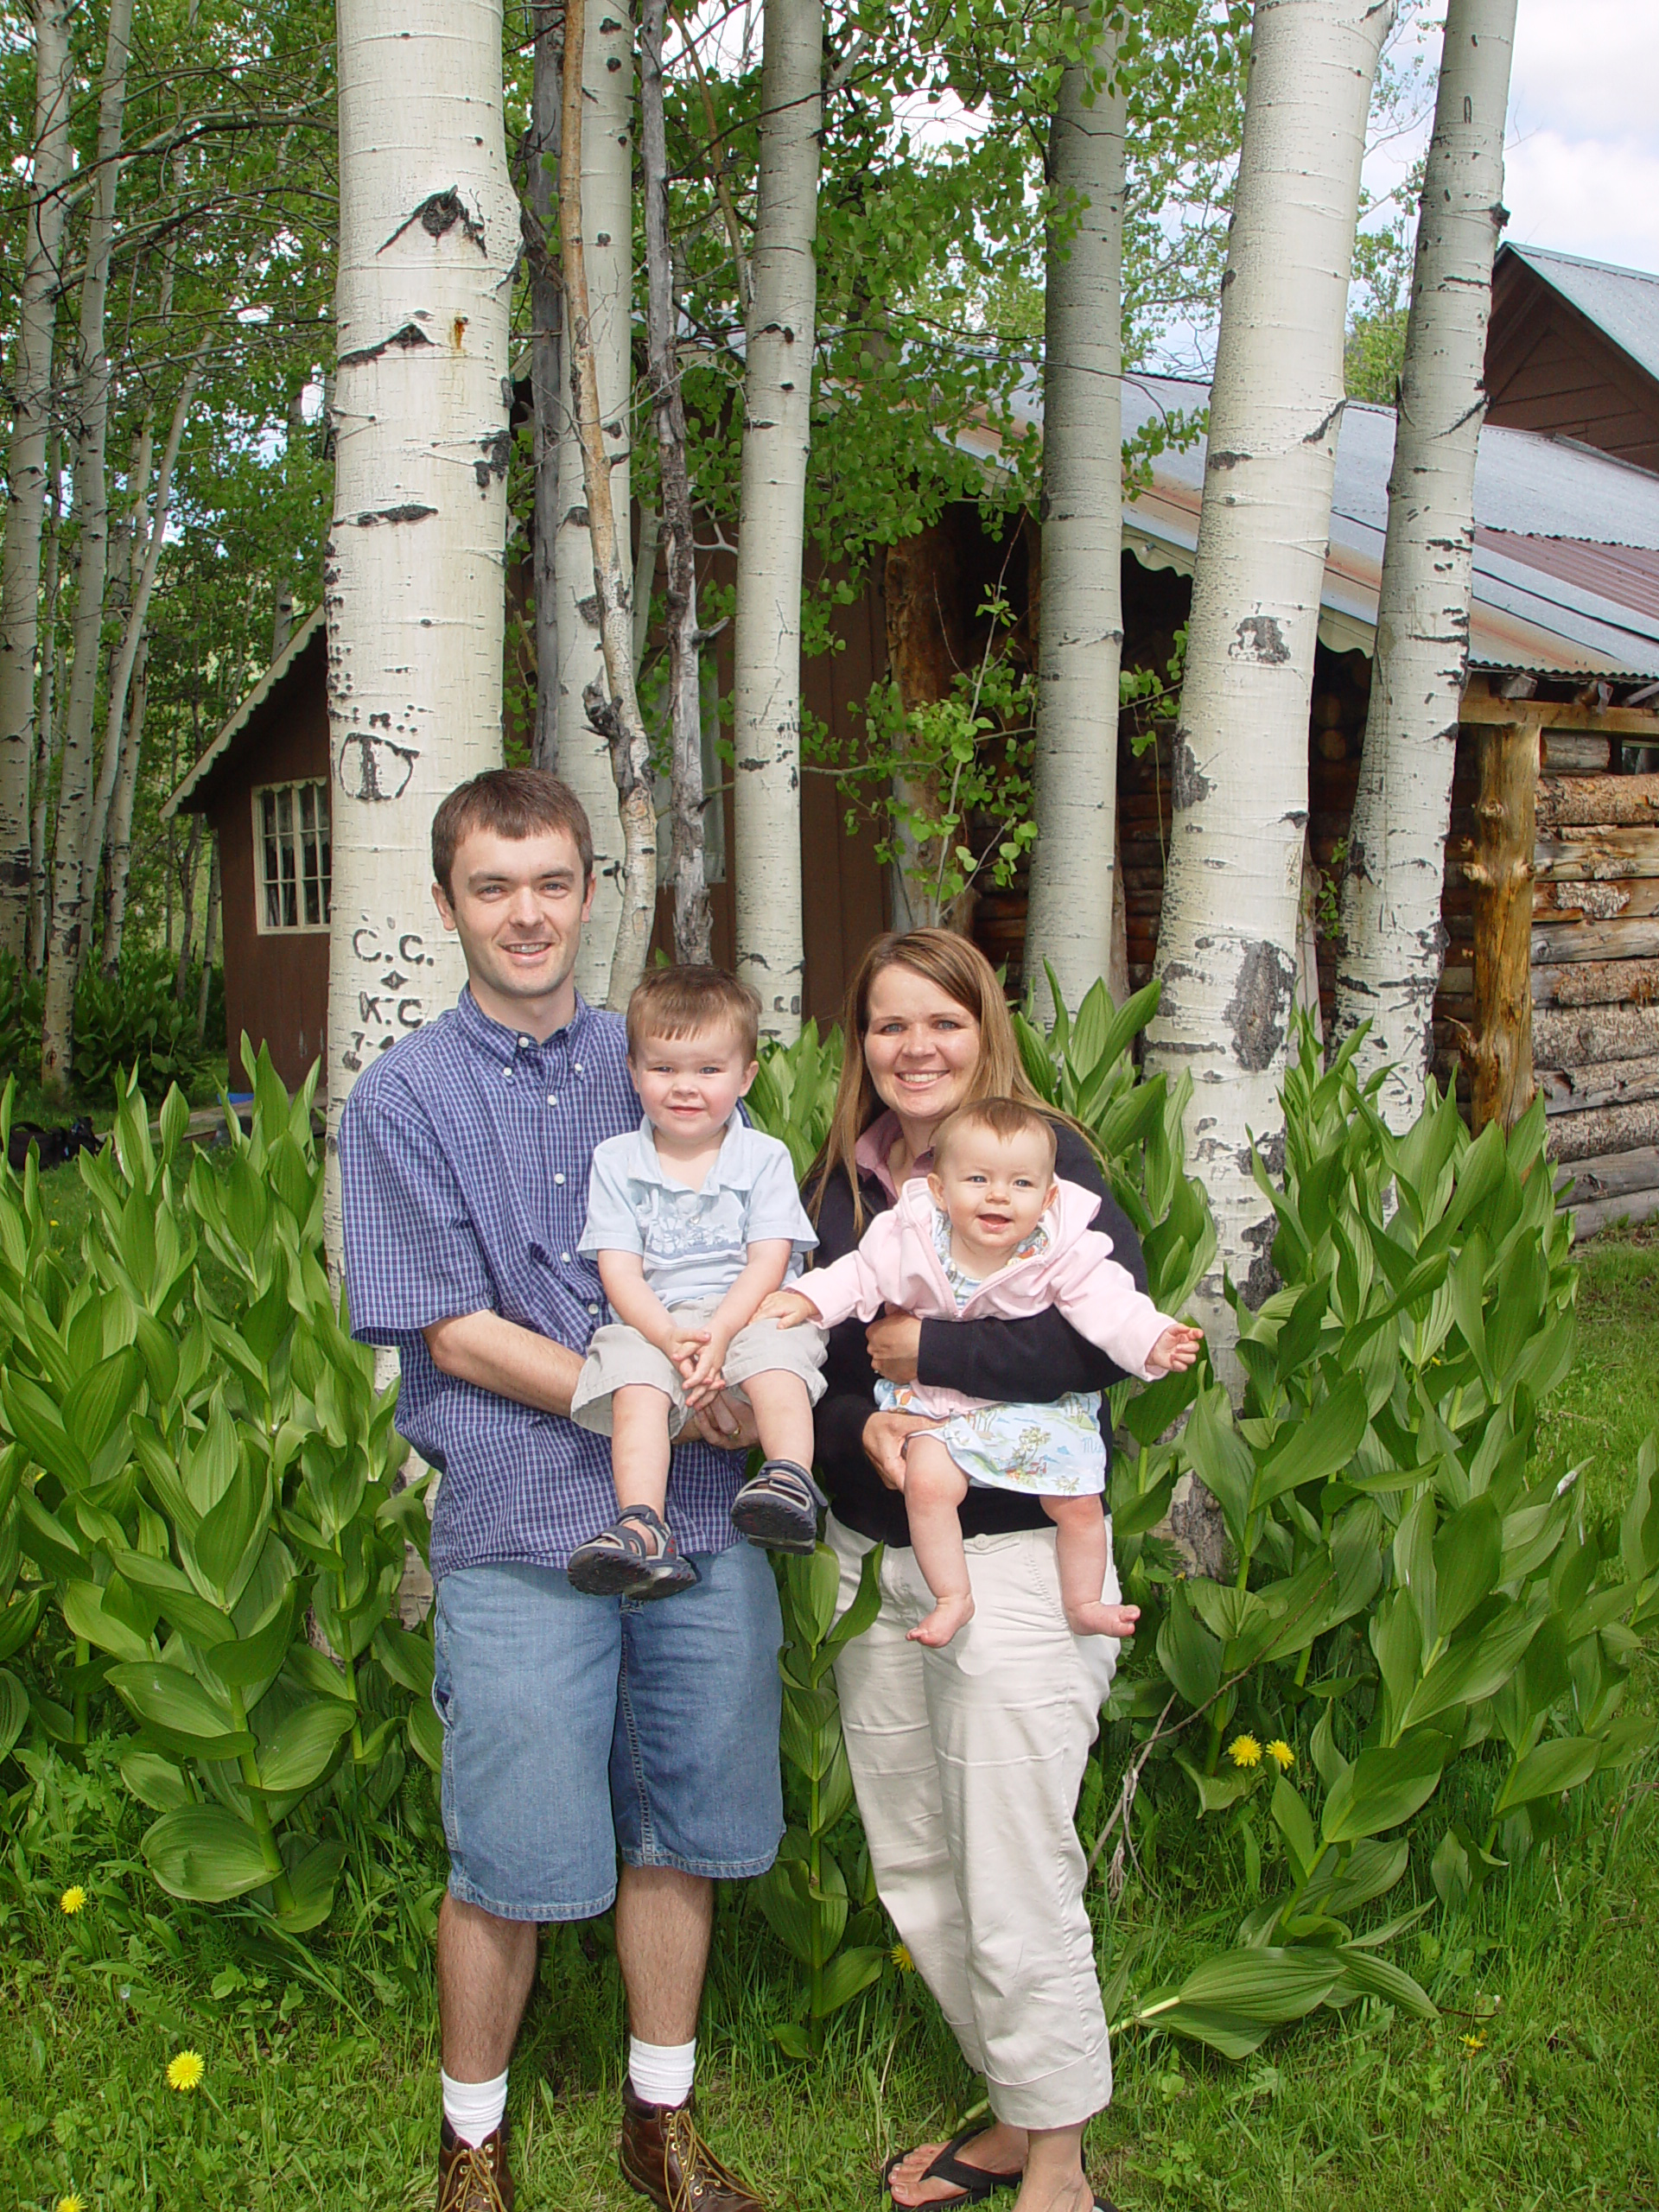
(275, 986)
(1549, 368)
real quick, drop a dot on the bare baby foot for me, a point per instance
(1103, 1620)
(947, 1617)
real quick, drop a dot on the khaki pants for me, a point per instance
(967, 1762)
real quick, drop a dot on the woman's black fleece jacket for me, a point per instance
(1032, 1361)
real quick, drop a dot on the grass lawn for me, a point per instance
(1538, 2086)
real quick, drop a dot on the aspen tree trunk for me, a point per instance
(1074, 865)
(413, 567)
(777, 437)
(546, 362)
(126, 793)
(1227, 950)
(47, 729)
(26, 466)
(208, 928)
(187, 916)
(120, 732)
(1392, 939)
(602, 60)
(693, 923)
(90, 494)
(613, 708)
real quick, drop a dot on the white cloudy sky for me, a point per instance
(1581, 171)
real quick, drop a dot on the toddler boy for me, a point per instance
(694, 1219)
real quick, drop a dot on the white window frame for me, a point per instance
(294, 837)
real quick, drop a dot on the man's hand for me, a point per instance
(895, 1345)
(788, 1308)
(884, 1444)
(726, 1422)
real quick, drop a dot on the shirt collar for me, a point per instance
(728, 1171)
(870, 1153)
(501, 1043)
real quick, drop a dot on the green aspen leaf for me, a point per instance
(205, 1853)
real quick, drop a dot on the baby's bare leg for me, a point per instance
(1080, 1554)
(783, 1414)
(639, 1445)
(934, 1489)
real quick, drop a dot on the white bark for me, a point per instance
(126, 792)
(1227, 950)
(413, 571)
(48, 729)
(92, 508)
(26, 466)
(1392, 941)
(693, 940)
(546, 361)
(607, 66)
(777, 436)
(1073, 869)
(613, 704)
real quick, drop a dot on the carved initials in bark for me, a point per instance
(1501, 873)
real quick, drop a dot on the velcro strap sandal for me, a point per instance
(780, 1508)
(636, 1557)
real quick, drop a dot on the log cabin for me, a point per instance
(1557, 771)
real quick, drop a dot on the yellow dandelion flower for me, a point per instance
(1281, 1755)
(900, 1956)
(74, 1899)
(1244, 1751)
(1474, 2042)
(75, 2204)
(184, 2069)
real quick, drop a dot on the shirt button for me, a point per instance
(592, 1309)
(552, 1098)
(524, 1043)
(558, 1179)
(565, 1258)
(578, 1066)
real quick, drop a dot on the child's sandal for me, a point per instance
(780, 1508)
(620, 1561)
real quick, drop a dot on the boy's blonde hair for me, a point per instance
(1001, 1118)
(673, 1002)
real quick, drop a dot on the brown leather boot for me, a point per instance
(665, 2159)
(474, 2178)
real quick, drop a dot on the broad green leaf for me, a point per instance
(1467, 1553)
(1294, 1822)
(36, 1424)
(426, 1734)
(155, 1780)
(1376, 1977)
(205, 1853)
(19, 1621)
(1475, 1668)
(1221, 1458)
(1383, 1787)
(1563, 1763)
(848, 1974)
(1314, 1449)
(301, 1746)
(312, 1881)
(14, 1710)
(103, 1398)
(252, 1663)
(1262, 1987)
(1187, 1652)
(194, 1617)
(406, 1658)
(84, 1613)
(179, 1710)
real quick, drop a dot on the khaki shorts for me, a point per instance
(618, 1355)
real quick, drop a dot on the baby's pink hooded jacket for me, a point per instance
(897, 1264)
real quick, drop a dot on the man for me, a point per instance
(573, 1726)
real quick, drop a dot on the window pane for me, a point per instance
(325, 844)
(269, 870)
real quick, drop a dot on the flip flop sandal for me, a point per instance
(975, 2182)
(619, 1562)
(780, 1508)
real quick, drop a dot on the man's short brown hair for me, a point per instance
(1002, 1118)
(513, 803)
(672, 1002)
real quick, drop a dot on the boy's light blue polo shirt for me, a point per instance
(694, 1244)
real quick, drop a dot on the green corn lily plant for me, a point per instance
(207, 1476)
(1410, 1590)
(823, 1921)
(794, 1093)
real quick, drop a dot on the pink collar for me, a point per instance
(870, 1153)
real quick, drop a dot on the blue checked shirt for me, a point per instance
(464, 1156)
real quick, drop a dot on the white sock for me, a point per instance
(662, 2072)
(474, 2110)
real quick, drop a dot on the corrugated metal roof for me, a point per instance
(1628, 573)
(1543, 615)
(1622, 302)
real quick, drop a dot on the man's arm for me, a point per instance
(500, 1355)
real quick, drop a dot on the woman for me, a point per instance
(966, 1759)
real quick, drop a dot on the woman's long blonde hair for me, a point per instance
(956, 966)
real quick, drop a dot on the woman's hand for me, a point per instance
(895, 1343)
(884, 1444)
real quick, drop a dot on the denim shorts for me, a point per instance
(577, 1727)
